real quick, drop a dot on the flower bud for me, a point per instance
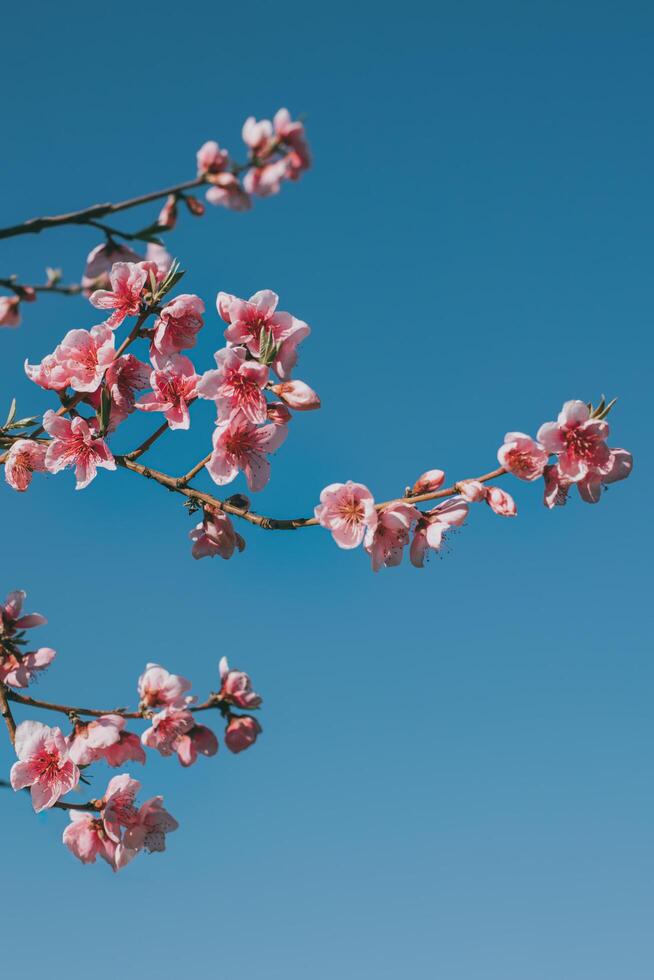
(297, 395)
(278, 413)
(429, 482)
(472, 490)
(241, 733)
(168, 214)
(194, 206)
(501, 502)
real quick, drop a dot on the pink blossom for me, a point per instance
(432, 527)
(9, 311)
(239, 445)
(255, 322)
(25, 457)
(86, 837)
(236, 687)
(124, 298)
(18, 669)
(124, 377)
(44, 764)
(522, 456)
(148, 831)
(118, 805)
(163, 260)
(168, 215)
(226, 191)
(348, 511)
(158, 688)
(278, 413)
(236, 386)
(174, 384)
(11, 619)
(557, 484)
(472, 490)
(386, 541)
(215, 535)
(265, 181)
(211, 159)
(128, 748)
(91, 736)
(85, 355)
(501, 502)
(256, 135)
(178, 324)
(578, 441)
(241, 732)
(99, 262)
(293, 134)
(174, 731)
(429, 482)
(198, 740)
(50, 374)
(74, 443)
(297, 395)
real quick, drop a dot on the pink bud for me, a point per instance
(501, 502)
(472, 490)
(241, 733)
(278, 413)
(297, 395)
(9, 311)
(168, 214)
(429, 482)
(195, 207)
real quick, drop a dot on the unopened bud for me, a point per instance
(297, 395)
(429, 482)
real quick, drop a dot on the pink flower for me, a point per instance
(11, 619)
(432, 527)
(236, 687)
(215, 535)
(118, 808)
(163, 260)
(501, 502)
(348, 511)
(148, 831)
(239, 445)
(128, 748)
(168, 726)
(91, 736)
(9, 311)
(168, 215)
(18, 669)
(44, 764)
(236, 386)
(226, 191)
(256, 135)
(297, 395)
(174, 382)
(50, 374)
(211, 159)
(293, 134)
(557, 485)
(267, 180)
(578, 441)
(158, 688)
(198, 740)
(86, 837)
(124, 298)
(85, 355)
(242, 732)
(74, 443)
(178, 324)
(124, 377)
(386, 541)
(24, 458)
(472, 490)
(256, 324)
(429, 482)
(99, 262)
(522, 456)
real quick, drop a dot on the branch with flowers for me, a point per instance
(100, 382)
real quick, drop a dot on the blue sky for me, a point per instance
(455, 774)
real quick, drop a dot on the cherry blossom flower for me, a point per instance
(75, 443)
(578, 440)
(501, 502)
(211, 159)
(158, 688)
(174, 384)
(167, 728)
(226, 191)
(11, 619)
(239, 445)
(198, 740)
(557, 484)
(167, 217)
(178, 324)
(429, 482)
(265, 181)
(236, 385)
(50, 374)
(256, 135)
(348, 511)
(18, 669)
(85, 355)
(127, 280)
(386, 541)
(242, 732)
(215, 535)
(118, 805)
(24, 458)
(44, 764)
(149, 831)
(9, 311)
(297, 395)
(124, 377)
(432, 527)
(256, 324)
(91, 736)
(100, 261)
(128, 748)
(522, 456)
(293, 134)
(236, 687)
(87, 838)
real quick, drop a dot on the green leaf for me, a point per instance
(12, 414)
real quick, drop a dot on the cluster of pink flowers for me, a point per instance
(50, 763)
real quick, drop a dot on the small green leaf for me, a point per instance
(12, 414)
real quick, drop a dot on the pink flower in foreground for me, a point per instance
(198, 740)
(236, 385)
(87, 838)
(501, 502)
(211, 159)
(178, 324)
(148, 831)
(215, 535)
(348, 511)
(429, 482)
(158, 688)
(522, 456)
(432, 527)
(242, 732)
(297, 395)
(174, 384)
(74, 443)
(168, 726)
(226, 191)
(100, 261)
(90, 736)
(50, 374)
(19, 669)
(124, 298)
(386, 541)
(557, 485)
(12, 617)
(85, 355)
(239, 445)
(24, 458)
(124, 377)
(128, 748)
(118, 807)
(9, 311)
(44, 764)
(578, 441)
(236, 687)
(256, 322)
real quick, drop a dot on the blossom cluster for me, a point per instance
(50, 763)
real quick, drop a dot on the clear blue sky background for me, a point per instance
(455, 776)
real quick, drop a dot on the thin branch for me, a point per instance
(74, 289)
(5, 711)
(68, 709)
(143, 448)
